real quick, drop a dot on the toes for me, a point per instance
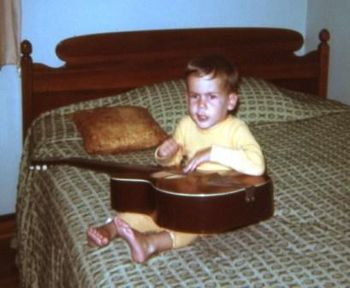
(95, 238)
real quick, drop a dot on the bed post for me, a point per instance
(323, 53)
(27, 84)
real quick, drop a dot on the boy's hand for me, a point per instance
(168, 148)
(199, 158)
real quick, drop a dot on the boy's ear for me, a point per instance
(232, 101)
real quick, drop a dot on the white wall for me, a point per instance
(334, 16)
(83, 16)
(10, 136)
(46, 22)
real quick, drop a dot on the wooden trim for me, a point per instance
(323, 50)
(27, 84)
(7, 226)
(99, 65)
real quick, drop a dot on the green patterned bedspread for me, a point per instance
(306, 243)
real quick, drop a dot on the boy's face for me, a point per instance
(208, 100)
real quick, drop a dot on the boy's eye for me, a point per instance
(213, 96)
(194, 96)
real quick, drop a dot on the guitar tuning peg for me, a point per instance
(38, 167)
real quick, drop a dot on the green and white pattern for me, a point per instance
(305, 244)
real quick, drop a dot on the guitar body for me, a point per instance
(198, 202)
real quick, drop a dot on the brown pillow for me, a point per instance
(118, 129)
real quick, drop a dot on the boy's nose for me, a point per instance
(202, 102)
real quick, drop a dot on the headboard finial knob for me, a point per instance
(26, 48)
(324, 35)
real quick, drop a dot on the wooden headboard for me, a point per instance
(105, 64)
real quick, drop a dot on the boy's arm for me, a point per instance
(244, 156)
(169, 153)
(248, 160)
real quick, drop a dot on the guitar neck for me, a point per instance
(109, 167)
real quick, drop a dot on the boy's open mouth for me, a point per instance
(202, 117)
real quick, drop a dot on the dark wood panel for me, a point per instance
(8, 270)
(105, 64)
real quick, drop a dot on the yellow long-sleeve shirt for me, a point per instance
(232, 146)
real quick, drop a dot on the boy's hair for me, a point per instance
(215, 66)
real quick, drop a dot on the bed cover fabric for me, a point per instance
(306, 243)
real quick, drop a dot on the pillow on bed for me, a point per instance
(262, 101)
(118, 129)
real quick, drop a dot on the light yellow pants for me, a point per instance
(144, 223)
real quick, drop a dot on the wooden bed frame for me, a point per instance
(105, 64)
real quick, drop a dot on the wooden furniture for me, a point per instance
(8, 270)
(134, 59)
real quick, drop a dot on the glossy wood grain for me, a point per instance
(8, 271)
(105, 64)
(197, 202)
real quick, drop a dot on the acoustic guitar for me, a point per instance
(197, 202)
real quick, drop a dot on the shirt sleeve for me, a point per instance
(244, 156)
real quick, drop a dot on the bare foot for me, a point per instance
(138, 243)
(102, 235)
(142, 245)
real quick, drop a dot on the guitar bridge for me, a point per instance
(250, 194)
